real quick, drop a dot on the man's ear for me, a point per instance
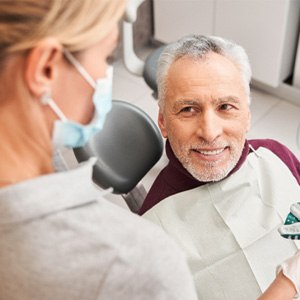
(161, 124)
(42, 64)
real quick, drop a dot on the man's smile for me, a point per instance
(212, 154)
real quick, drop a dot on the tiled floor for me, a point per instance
(271, 117)
(275, 118)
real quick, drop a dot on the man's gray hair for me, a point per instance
(198, 46)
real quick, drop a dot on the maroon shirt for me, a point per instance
(174, 178)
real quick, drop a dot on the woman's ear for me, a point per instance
(42, 64)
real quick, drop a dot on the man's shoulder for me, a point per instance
(160, 189)
(170, 181)
(282, 152)
(270, 144)
(279, 149)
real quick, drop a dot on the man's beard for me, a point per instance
(206, 171)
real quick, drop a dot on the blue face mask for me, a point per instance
(67, 133)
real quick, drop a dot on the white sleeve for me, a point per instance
(291, 270)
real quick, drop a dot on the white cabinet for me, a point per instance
(267, 29)
(176, 18)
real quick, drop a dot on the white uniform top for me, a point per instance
(228, 229)
(60, 240)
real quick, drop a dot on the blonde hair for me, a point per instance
(77, 24)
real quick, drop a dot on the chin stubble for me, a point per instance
(209, 171)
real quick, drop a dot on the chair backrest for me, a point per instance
(127, 147)
(150, 68)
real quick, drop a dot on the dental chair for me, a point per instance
(130, 143)
(127, 147)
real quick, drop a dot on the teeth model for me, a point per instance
(289, 230)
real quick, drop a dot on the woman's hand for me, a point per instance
(281, 288)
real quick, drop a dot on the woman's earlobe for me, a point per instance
(41, 65)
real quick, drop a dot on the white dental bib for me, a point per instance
(228, 229)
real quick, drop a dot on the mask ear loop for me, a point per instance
(80, 68)
(47, 100)
(58, 159)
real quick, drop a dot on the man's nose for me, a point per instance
(209, 126)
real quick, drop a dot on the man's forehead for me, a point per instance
(204, 100)
(210, 81)
(212, 65)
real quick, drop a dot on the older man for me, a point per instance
(223, 195)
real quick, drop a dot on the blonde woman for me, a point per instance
(59, 238)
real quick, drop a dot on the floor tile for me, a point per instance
(281, 123)
(126, 89)
(261, 104)
(148, 104)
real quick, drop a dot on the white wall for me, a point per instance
(267, 29)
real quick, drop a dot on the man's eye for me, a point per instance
(225, 107)
(187, 109)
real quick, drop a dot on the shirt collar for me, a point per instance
(180, 177)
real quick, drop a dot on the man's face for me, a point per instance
(205, 115)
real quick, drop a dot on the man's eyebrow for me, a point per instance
(232, 99)
(181, 102)
(198, 102)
